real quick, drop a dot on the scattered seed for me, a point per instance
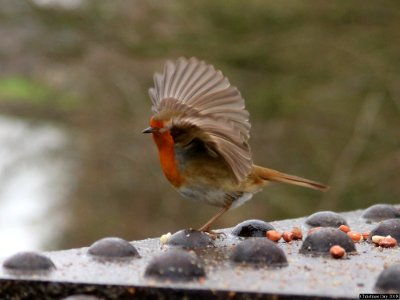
(366, 235)
(355, 236)
(165, 238)
(274, 235)
(288, 236)
(297, 233)
(387, 242)
(344, 228)
(337, 252)
(376, 238)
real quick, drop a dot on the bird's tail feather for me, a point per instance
(273, 175)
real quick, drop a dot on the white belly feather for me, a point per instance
(212, 196)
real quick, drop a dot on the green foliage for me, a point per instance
(22, 89)
(25, 91)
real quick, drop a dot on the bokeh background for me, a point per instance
(321, 81)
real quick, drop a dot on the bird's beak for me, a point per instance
(149, 130)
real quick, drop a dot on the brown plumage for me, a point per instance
(201, 128)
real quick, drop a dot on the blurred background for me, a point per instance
(321, 81)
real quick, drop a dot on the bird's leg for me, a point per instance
(206, 227)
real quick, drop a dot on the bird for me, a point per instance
(201, 128)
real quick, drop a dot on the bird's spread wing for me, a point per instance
(197, 96)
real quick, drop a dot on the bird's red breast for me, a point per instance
(166, 152)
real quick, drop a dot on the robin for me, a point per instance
(201, 129)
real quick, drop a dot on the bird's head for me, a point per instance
(158, 126)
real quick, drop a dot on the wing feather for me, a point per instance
(180, 66)
(186, 76)
(221, 137)
(191, 92)
(169, 72)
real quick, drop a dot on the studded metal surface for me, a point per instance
(78, 273)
